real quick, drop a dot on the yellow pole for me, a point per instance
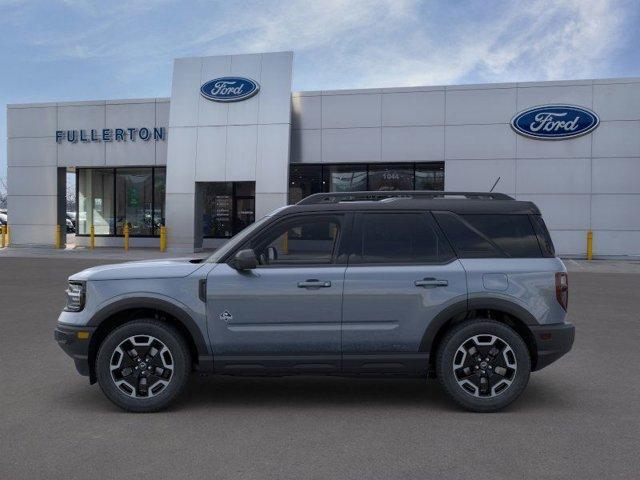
(589, 245)
(126, 238)
(92, 237)
(3, 234)
(58, 236)
(163, 239)
(6, 229)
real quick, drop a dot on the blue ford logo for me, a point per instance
(229, 89)
(555, 122)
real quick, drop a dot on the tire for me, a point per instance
(130, 347)
(460, 368)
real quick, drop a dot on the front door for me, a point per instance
(401, 274)
(285, 314)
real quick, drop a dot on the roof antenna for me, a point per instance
(494, 185)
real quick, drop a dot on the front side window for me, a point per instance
(305, 240)
(398, 238)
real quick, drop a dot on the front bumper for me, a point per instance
(75, 342)
(552, 342)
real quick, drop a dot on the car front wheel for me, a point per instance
(143, 365)
(483, 365)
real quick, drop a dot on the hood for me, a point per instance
(169, 268)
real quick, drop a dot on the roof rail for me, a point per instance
(374, 196)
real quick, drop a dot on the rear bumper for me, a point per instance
(552, 342)
(77, 347)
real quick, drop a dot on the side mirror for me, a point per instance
(245, 260)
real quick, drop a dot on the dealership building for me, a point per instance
(233, 142)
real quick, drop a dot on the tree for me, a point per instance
(3, 193)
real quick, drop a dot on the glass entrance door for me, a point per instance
(245, 213)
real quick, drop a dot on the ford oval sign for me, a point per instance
(555, 122)
(229, 89)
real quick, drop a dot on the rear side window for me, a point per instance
(513, 234)
(544, 239)
(487, 235)
(398, 238)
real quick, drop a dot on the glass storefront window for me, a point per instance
(134, 197)
(111, 198)
(95, 201)
(391, 177)
(304, 180)
(345, 178)
(308, 179)
(430, 176)
(227, 208)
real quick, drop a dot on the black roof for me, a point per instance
(457, 202)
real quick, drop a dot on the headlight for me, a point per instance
(75, 297)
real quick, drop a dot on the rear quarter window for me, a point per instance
(491, 235)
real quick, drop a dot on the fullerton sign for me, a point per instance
(555, 122)
(111, 135)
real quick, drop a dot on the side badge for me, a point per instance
(226, 316)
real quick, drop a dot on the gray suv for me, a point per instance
(465, 287)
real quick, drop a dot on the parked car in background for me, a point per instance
(462, 286)
(3, 218)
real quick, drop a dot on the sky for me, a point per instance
(83, 50)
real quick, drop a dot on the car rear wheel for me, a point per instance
(143, 365)
(483, 365)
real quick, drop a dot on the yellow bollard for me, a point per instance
(589, 245)
(92, 237)
(8, 233)
(3, 234)
(163, 239)
(126, 238)
(58, 236)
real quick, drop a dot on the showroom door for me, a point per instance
(285, 314)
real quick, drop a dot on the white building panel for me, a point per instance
(615, 212)
(546, 93)
(306, 146)
(273, 142)
(479, 142)
(412, 108)
(617, 139)
(344, 145)
(241, 153)
(616, 243)
(570, 175)
(306, 112)
(32, 122)
(212, 144)
(349, 111)
(616, 175)
(245, 112)
(32, 181)
(181, 174)
(275, 90)
(32, 152)
(494, 105)
(618, 101)
(412, 144)
(185, 92)
(480, 175)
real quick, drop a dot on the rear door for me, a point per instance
(401, 274)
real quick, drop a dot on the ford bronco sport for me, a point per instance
(462, 286)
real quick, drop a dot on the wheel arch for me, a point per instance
(503, 311)
(123, 311)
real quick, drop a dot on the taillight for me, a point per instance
(562, 289)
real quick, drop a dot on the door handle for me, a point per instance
(313, 283)
(431, 283)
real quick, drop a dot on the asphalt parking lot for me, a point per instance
(578, 419)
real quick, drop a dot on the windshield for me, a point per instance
(237, 240)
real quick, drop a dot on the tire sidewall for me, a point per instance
(449, 347)
(167, 335)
